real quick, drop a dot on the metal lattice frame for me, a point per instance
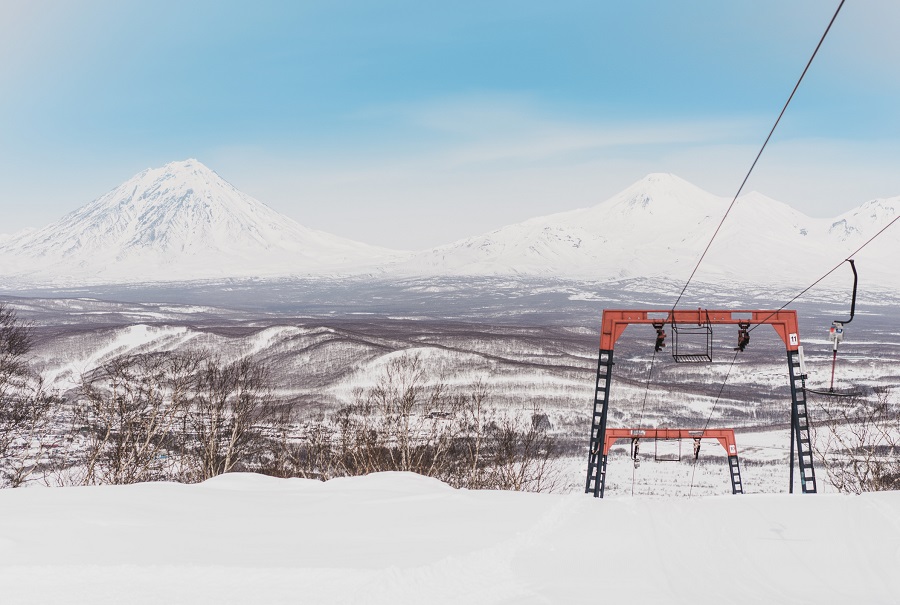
(615, 322)
(725, 437)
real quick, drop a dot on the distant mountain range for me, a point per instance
(184, 222)
(178, 222)
(660, 226)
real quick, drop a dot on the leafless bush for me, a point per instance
(188, 416)
(315, 456)
(499, 450)
(520, 456)
(228, 414)
(167, 415)
(859, 443)
(412, 422)
(128, 411)
(402, 424)
(25, 407)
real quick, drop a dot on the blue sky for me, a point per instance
(411, 124)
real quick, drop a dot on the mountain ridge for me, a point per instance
(183, 217)
(658, 227)
(183, 222)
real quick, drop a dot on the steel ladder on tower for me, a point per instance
(596, 475)
(800, 424)
(734, 468)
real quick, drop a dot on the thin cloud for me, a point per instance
(507, 128)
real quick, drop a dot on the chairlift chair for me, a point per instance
(692, 343)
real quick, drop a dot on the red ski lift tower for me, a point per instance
(699, 322)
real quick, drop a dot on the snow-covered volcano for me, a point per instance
(659, 227)
(184, 222)
(181, 221)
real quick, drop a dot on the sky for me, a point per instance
(411, 124)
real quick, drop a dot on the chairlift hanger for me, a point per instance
(836, 335)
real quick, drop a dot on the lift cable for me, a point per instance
(832, 270)
(711, 411)
(641, 419)
(783, 109)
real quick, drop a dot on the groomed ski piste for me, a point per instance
(401, 538)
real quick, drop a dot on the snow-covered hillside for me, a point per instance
(401, 538)
(659, 227)
(178, 222)
(183, 222)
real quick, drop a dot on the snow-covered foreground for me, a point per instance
(402, 538)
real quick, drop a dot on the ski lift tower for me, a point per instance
(699, 322)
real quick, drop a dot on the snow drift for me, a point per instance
(399, 538)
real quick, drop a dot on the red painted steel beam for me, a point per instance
(725, 437)
(615, 321)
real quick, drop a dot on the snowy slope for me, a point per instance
(861, 223)
(878, 260)
(635, 225)
(642, 216)
(400, 538)
(659, 227)
(181, 221)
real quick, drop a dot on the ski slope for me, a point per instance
(401, 538)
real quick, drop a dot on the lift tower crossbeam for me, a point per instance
(725, 437)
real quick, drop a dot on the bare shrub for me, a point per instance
(25, 407)
(403, 423)
(128, 410)
(472, 447)
(228, 415)
(171, 416)
(315, 456)
(859, 443)
(521, 456)
(410, 421)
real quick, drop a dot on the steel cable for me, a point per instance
(758, 155)
(641, 419)
(832, 270)
(711, 411)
